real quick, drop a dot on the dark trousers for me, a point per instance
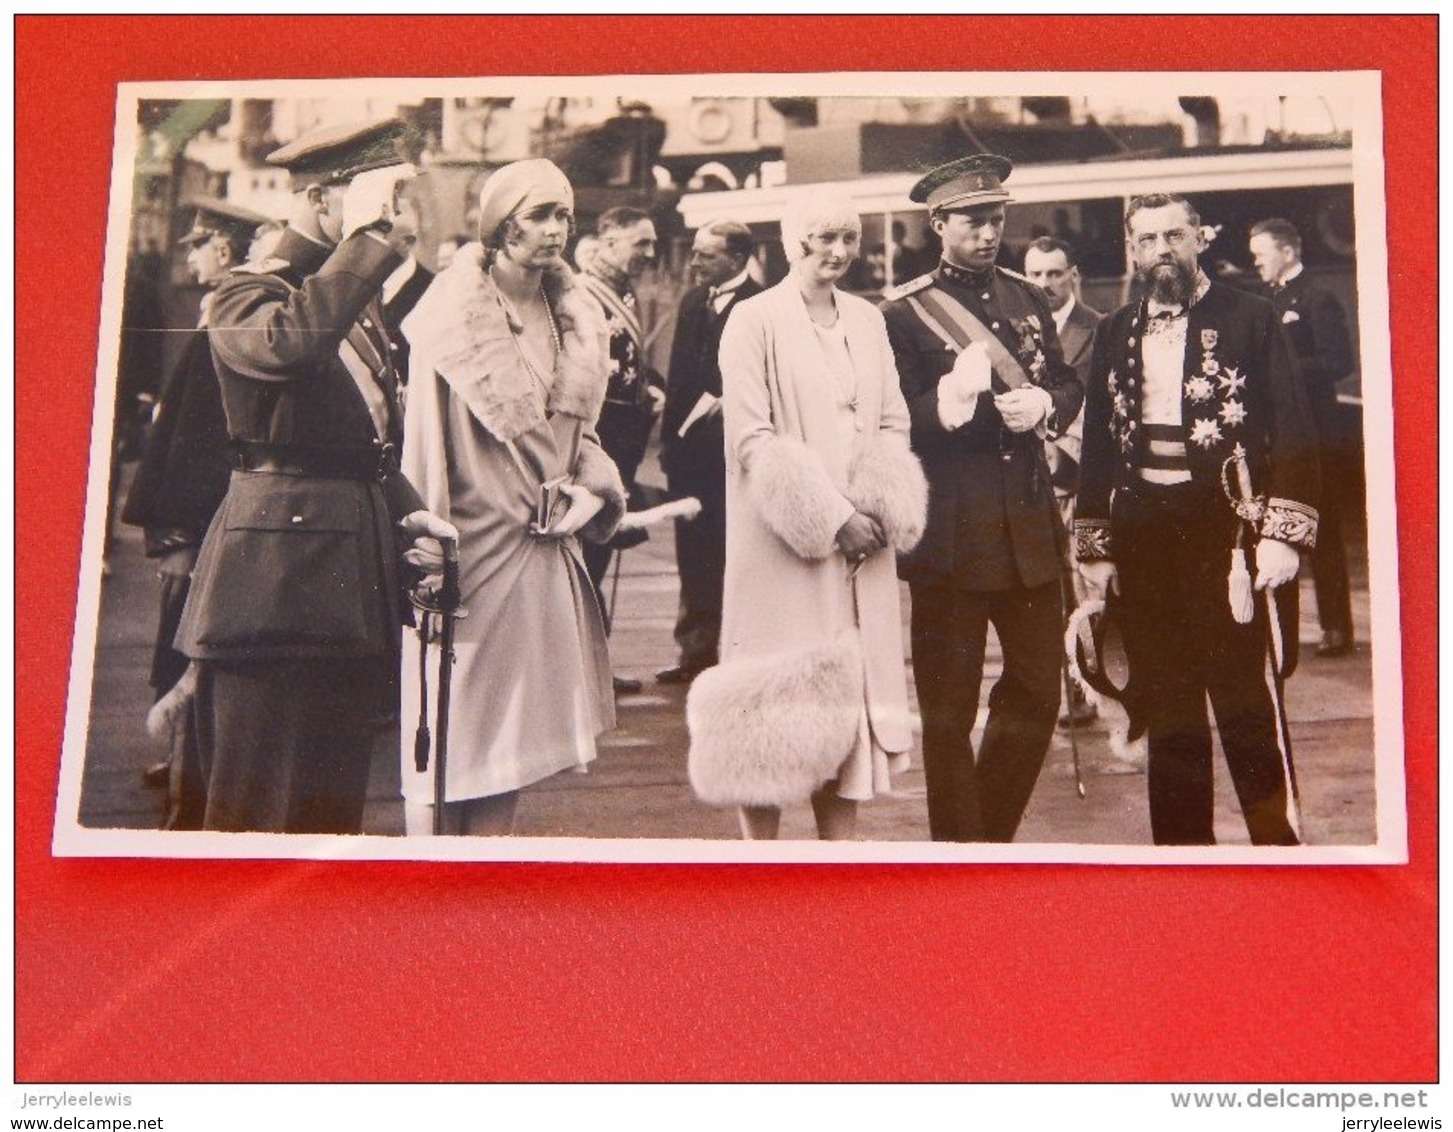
(1329, 559)
(1172, 549)
(285, 744)
(623, 431)
(983, 800)
(701, 565)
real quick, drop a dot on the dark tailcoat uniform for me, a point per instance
(1317, 329)
(1241, 394)
(181, 481)
(696, 466)
(992, 552)
(296, 599)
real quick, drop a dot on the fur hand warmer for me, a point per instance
(886, 482)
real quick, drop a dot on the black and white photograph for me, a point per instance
(875, 467)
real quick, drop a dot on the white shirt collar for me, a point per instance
(1290, 273)
(730, 285)
(401, 275)
(1062, 315)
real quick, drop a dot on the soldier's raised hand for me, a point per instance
(372, 198)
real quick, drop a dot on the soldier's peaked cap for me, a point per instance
(332, 155)
(216, 217)
(969, 181)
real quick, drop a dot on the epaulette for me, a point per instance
(270, 266)
(1016, 276)
(912, 287)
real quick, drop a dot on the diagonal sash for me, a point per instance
(957, 326)
(615, 305)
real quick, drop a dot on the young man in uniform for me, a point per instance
(979, 359)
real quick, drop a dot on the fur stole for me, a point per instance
(769, 730)
(461, 327)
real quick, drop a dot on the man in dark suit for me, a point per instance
(1314, 323)
(1194, 394)
(181, 480)
(1051, 263)
(979, 359)
(692, 444)
(297, 598)
(401, 292)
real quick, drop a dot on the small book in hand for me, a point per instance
(551, 504)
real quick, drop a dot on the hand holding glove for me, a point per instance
(959, 389)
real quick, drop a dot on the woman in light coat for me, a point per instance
(811, 697)
(508, 372)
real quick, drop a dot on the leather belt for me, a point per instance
(323, 461)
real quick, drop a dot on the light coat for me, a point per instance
(799, 461)
(531, 677)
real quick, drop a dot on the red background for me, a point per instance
(255, 970)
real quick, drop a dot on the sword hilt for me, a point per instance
(449, 589)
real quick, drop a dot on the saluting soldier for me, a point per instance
(980, 363)
(297, 598)
(181, 481)
(1195, 397)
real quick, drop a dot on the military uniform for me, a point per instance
(626, 418)
(993, 548)
(297, 599)
(179, 485)
(1152, 500)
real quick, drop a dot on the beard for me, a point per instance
(1170, 283)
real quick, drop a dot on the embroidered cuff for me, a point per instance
(1092, 540)
(1291, 522)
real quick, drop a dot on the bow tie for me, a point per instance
(1168, 314)
(715, 293)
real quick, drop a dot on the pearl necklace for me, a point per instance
(517, 334)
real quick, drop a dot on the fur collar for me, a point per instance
(462, 329)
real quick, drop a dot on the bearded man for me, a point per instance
(1195, 395)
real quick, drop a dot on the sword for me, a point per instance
(444, 605)
(1250, 508)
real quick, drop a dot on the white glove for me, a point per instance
(959, 389)
(1276, 563)
(1101, 577)
(1024, 408)
(373, 196)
